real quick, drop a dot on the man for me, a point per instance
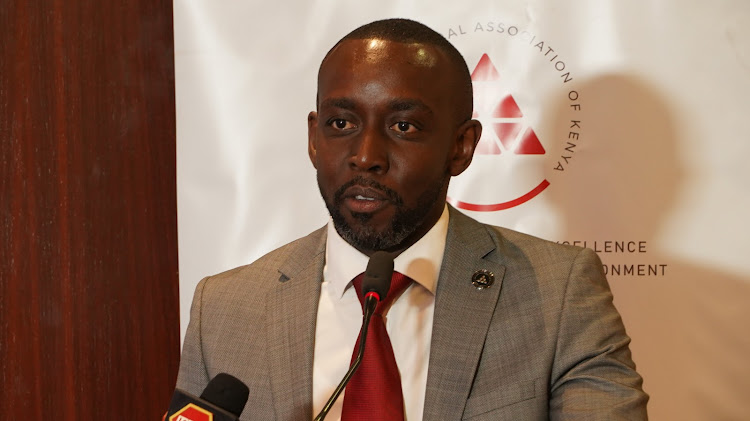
(495, 325)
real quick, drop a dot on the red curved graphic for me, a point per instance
(501, 206)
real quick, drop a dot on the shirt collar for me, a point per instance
(421, 262)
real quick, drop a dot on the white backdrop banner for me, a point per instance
(619, 126)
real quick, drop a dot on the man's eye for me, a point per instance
(404, 127)
(341, 124)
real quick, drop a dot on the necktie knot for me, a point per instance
(399, 283)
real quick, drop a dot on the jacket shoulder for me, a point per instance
(268, 269)
(508, 243)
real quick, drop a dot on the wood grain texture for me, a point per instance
(88, 227)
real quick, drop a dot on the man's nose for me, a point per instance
(370, 152)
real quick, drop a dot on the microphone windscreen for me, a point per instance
(226, 392)
(378, 274)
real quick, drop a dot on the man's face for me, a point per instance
(386, 139)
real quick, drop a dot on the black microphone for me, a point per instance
(223, 399)
(375, 285)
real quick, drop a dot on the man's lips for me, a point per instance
(360, 199)
(365, 193)
(363, 196)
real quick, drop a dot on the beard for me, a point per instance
(404, 223)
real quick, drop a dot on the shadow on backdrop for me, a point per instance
(689, 323)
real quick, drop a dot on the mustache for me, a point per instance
(391, 194)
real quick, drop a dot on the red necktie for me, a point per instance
(374, 392)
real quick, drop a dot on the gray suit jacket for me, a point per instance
(543, 342)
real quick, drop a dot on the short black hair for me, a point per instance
(410, 31)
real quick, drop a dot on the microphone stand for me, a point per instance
(371, 301)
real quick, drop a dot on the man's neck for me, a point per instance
(421, 261)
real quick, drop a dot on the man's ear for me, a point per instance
(312, 130)
(467, 137)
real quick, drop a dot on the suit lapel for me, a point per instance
(462, 316)
(292, 307)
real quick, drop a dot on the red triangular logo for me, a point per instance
(485, 70)
(529, 144)
(503, 114)
(507, 108)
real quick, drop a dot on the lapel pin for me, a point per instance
(483, 279)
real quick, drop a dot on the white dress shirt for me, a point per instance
(408, 321)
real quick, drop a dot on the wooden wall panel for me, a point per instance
(88, 233)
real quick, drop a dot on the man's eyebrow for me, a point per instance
(394, 104)
(344, 103)
(408, 104)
